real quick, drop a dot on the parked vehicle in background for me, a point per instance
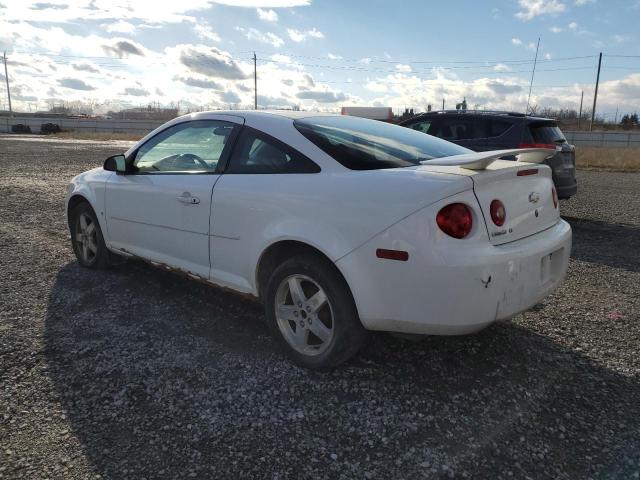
(372, 113)
(491, 130)
(339, 224)
(20, 128)
(47, 128)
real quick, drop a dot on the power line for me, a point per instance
(386, 60)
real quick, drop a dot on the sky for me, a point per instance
(320, 54)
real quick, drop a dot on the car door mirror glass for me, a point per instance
(116, 163)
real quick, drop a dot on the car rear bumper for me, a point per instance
(453, 292)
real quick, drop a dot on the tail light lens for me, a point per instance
(538, 145)
(498, 212)
(554, 194)
(455, 220)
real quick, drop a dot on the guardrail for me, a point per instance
(82, 125)
(604, 139)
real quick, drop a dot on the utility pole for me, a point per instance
(443, 104)
(6, 77)
(580, 114)
(255, 82)
(595, 95)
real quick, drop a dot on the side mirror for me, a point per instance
(116, 163)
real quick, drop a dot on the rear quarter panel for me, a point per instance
(333, 212)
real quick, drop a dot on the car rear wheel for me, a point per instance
(86, 238)
(312, 314)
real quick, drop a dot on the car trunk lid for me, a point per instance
(525, 189)
(526, 193)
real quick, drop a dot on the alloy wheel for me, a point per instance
(86, 238)
(304, 315)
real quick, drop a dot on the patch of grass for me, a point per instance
(98, 135)
(608, 158)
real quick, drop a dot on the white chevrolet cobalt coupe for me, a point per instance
(338, 224)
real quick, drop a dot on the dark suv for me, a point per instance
(483, 130)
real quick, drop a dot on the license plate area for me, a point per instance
(550, 266)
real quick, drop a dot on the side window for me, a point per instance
(256, 152)
(458, 128)
(186, 147)
(421, 126)
(498, 127)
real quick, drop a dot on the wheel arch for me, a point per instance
(75, 200)
(279, 251)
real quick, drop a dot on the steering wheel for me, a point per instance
(195, 158)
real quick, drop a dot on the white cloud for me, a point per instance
(263, 37)
(322, 96)
(555, 29)
(403, 68)
(376, 87)
(299, 36)
(120, 27)
(121, 48)
(365, 60)
(71, 10)
(264, 3)
(580, 3)
(501, 67)
(547, 56)
(533, 8)
(573, 26)
(315, 33)
(204, 31)
(531, 46)
(208, 61)
(331, 56)
(516, 41)
(281, 58)
(267, 15)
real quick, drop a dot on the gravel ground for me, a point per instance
(138, 373)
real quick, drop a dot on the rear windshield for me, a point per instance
(547, 133)
(361, 144)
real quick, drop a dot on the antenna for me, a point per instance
(526, 110)
(533, 72)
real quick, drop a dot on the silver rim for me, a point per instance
(304, 315)
(86, 238)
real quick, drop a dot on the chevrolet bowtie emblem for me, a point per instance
(534, 197)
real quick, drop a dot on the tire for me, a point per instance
(296, 313)
(86, 238)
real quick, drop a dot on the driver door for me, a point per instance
(161, 210)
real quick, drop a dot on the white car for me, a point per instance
(338, 224)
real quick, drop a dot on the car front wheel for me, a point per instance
(312, 314)
(86, 237)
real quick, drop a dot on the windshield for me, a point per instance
(361, 144)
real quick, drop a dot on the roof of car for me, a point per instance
(293, 114)
(490, 113)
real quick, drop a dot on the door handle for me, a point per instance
(187, 199)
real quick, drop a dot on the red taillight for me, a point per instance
(498, 213)
(455, 220)
(555, 197)
(537, 145)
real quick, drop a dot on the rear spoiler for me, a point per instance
(481, 160)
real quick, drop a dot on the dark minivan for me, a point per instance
(484, 130)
